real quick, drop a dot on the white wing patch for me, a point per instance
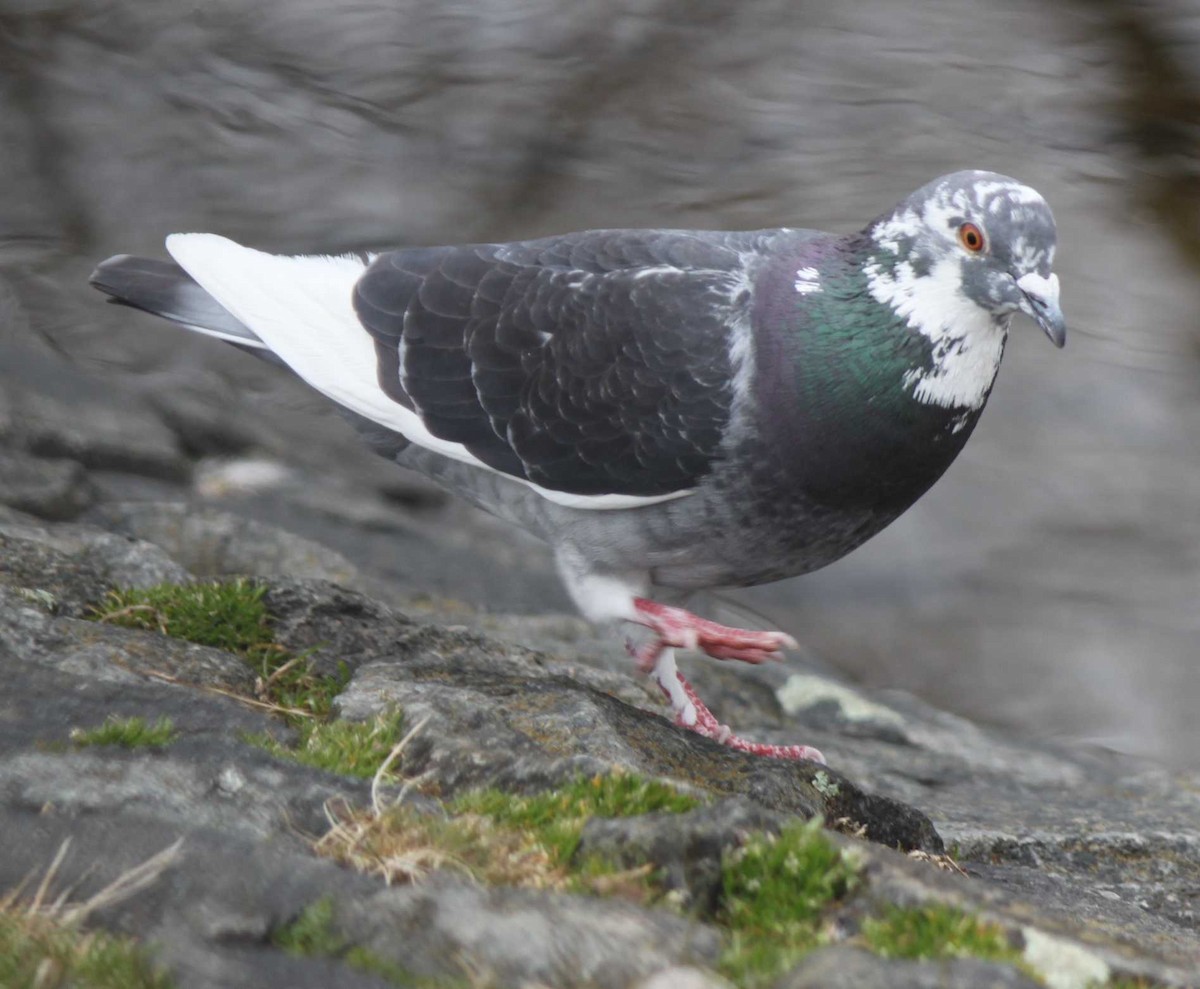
(301, 308)
(808, 280)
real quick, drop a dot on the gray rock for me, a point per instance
(854, 968)
(106, 653)
(210, 916)
(498, 715)
(53, 409)
(685, 849)
(49, 488)
(212, 543)
(71, 567)
(520, 936)
(503, 715)
(683, 977)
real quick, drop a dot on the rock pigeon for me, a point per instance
(671, 410)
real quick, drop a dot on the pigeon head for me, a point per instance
(969, 241)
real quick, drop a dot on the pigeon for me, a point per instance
(670, 410)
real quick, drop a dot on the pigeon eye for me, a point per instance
(971, 237)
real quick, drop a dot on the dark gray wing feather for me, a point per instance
(592, 363)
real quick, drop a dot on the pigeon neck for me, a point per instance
(837, 375)
(926, 298)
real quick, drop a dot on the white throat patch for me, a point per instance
(967, 342)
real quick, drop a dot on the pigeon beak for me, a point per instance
(1039, 300)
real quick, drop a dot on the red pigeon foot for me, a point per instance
(657, 658)
(680, 628)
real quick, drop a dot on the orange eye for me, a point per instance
(971, 237)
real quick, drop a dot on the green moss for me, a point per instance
(353, 748)
(132, 733)
(226, 615)
(39, 953)
(775, 892)
(555, 819)
(504, 839)
(312, 934)
(229, 615)
(937, 931)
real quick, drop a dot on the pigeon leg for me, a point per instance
(680, 628)
(658, 659)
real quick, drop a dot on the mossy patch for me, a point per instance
(130, 733)
(353, 748)
(506, 839)
(776, 890)
(313, 934)
(557, 817)
(232, 616)
(227, 615)
(39, 952)
(937, 931)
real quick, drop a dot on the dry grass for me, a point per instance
(43, 944)
(403, 844)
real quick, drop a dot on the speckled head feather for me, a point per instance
(961, 293)
(1020, 236)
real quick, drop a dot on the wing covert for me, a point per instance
(590, 364)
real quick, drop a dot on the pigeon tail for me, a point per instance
(163, 288)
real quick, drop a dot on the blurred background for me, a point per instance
(1049, 583)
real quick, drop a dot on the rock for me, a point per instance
(683, 977)
(499, 714)
(49, 488)
(107, 654)
(333, 625)
(53, 409)
(202, 410)
(71, 567)
(685, 849)
(210, 542)
(854, 968)
(212, 912)
(521, 936)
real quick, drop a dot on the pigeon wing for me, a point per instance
(599, 363)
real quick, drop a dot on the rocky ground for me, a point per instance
(1048, 582)
(1090, 864)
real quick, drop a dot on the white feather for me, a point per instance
(240, 339)
(301, 308)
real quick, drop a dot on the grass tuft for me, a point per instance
(937, 931)
(557, 817)
(353, 748)
(40, 953)
(130, 733)
(776, 890)
(43, 944)
(504, 839)
(228, 615)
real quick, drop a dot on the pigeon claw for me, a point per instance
(680, 629)
(706, 724)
